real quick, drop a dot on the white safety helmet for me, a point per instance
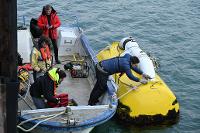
(123, 42)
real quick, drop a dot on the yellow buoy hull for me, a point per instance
(145, 104)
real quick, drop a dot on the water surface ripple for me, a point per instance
(169, 29)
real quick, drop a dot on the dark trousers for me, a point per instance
(55, 48)
(36, 75)
(39, 103)
(99, 88)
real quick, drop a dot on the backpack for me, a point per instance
(34, 28)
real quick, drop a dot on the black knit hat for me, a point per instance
(61, 74)
(134, 60)
(44, 39)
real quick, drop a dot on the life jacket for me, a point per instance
(53, 74)
(23, 74)
(45, 53)
(55, 77)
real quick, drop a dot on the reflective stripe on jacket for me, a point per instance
(45, 52)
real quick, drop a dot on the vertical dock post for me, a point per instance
(8, 66)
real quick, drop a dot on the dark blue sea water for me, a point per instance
(169, 29)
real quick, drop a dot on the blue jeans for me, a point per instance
(39, 102)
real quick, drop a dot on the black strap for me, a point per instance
(126, 41)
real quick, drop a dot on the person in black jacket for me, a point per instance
(44, 87)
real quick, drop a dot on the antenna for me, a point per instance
(77, 23)
(24, 21)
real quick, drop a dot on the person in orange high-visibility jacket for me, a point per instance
(48, 22)
(44, 88)
(41, 59)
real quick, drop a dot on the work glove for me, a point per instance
(50, 27)
(47, 26)
(58, 99)
(146, 76)
(143, 81)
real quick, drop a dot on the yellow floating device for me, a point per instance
(141, 104)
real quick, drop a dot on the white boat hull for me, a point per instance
(72, 42)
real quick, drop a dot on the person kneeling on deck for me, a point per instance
(41, 59)
(111, 66)
(44, 88)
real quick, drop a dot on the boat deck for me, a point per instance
(77, 89)
(73, 46)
